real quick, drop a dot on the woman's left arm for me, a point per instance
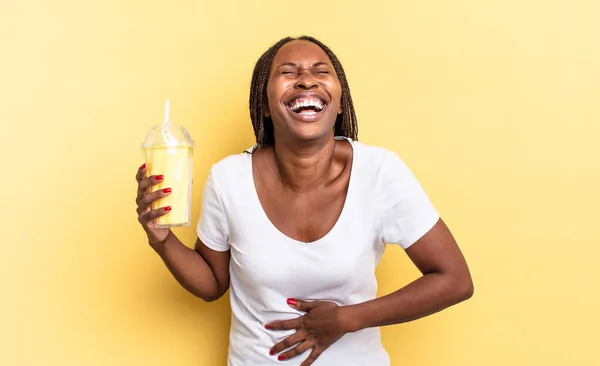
(446, 281)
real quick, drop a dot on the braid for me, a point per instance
(345, 124)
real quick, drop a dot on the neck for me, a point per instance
(304, 166)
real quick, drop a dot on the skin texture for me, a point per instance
(302, 182)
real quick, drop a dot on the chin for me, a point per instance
(311, 131)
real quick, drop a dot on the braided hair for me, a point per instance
(345, 123)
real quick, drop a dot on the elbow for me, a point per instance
(213, 297)
(465, 289)
(204, 295)
(210, 299)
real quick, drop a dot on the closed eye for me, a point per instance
(288, 72)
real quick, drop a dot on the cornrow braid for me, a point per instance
(345, 124)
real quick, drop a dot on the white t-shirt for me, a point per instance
(384, 204)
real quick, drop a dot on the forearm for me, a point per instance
(427, 295)
(189, 268)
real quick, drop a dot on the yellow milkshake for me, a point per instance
(168, 152)
(175, 163)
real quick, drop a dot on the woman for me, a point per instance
(297, 225)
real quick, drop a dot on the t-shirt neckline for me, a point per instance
(340, 219)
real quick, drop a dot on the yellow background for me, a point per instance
(494, 105)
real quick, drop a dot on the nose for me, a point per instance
(306, 80)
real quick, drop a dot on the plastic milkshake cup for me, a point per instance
(168, 151)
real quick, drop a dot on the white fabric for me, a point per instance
(385, 204)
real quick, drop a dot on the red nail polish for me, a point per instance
(143, 166)
(168, 208)
(271, 352)
(167, 190)
(267, 327)
(292, 302)
(159, 177)
(281, 358)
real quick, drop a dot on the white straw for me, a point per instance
(167, 106)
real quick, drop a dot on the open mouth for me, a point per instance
(307, 105)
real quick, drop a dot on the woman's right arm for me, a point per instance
(202, 271)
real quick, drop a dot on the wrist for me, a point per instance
(351, 318)
(160, 245)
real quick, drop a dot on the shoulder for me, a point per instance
(229, 168)
(373, 158)
(380, 168)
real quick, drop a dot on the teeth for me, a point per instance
(306, 102)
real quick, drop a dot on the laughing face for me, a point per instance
(303, 92)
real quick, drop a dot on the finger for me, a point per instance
(303, 305)
(141, 172)
(285, 324)
(149, 198)
(150, 181)
(316, 352)
(296, 351)
(145, 184)
(288, 342)
(147, 217)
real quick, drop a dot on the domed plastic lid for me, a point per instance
(167, 134)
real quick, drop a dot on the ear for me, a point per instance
(340, 110)
(266, 111)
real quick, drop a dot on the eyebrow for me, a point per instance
(316, 64)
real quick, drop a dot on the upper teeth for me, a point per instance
(306, 102)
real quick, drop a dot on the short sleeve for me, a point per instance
(212, 226)
(407, 213)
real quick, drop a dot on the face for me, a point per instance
(303, 92)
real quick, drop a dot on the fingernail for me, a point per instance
(167, 190)
(292, 302)
(143, 166)
(267, 327)
(271, 352)
(281, 358)
(168, 208)
(159, 177)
